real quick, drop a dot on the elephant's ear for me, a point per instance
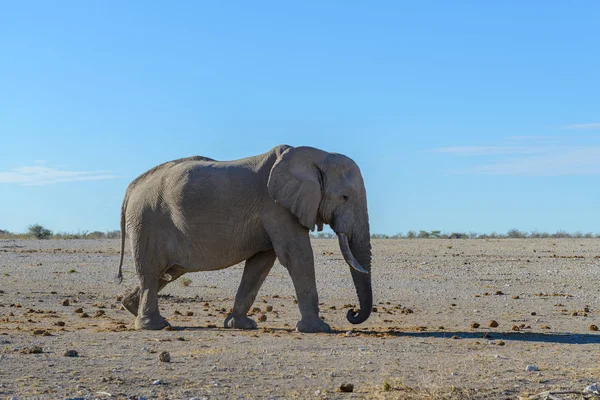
(295, 182)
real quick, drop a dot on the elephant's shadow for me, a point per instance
(556, 337)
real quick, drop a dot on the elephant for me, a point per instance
(199, 214)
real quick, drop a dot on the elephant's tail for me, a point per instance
(120, 273)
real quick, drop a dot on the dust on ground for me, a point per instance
(431, 334)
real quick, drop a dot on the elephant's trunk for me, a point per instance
(360, 247)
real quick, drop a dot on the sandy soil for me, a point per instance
(420, 342)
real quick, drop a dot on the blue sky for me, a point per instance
(463, 116)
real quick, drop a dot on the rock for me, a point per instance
(71, 353)
(262, 318)
(346, 388)
(157, 382)
(493, 324)
(32, 350)
(189, 313)
(593, 389)
(269, 308)
(84, 315)
(164, 357)
(474, 325)
(99, 313)
(532, 368)
(42, 332)
(65, 302)
(78, 310)
(593, 328)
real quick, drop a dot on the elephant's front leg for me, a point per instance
(299, 261)
(255, 271)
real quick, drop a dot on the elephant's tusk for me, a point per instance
(347, 253)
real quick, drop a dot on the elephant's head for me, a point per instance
(327, 188)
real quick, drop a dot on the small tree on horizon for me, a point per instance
(39, 232)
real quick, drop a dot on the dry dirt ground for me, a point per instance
(419, 343)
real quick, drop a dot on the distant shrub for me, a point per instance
(39, 232)
(516, 234)
(411, 234)
(457, 235)
(185, 282)
(423, 235)
(96, 235)
(113, 234)
(379, 236)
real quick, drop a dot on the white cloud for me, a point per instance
(38, 175)
(485, 150)
(583, 126)
(573, 161)
(535, 156)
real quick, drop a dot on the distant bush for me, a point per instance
(39, 232)
(113, 234)
(516, 234)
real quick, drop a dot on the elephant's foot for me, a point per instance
(131, 301)
(152, 322)
(242, 322)
(312, 325)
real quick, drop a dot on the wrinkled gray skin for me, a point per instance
(198, 214)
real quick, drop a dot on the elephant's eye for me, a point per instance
(345, 197)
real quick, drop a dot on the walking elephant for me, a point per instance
(198, 214)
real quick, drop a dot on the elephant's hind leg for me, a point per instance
(148, 315)
(255, 271)
(131, 300)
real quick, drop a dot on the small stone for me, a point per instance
(516, 328)
(71, 353)
(99, 313)
(532, 368)
(346, 388)
(256, 310)
(474, 325)
(262, 318)
(119, 298)
(32, 350)
(454, 337)
(157, 382)
(42, 332)
(189, 313)
(493, 324)
(499, 293)
(533, 313)
(374, 309)
(516, 297)
(593, 328)
(574, 314)
(84, 315)
(594, 389)
(78, 310)
(164, 357)
(65, 302)
(586, 309)
(500, 343)
(544, 327)
(59, 323)
(269, 308)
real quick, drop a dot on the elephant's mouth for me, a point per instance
(347, 253)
